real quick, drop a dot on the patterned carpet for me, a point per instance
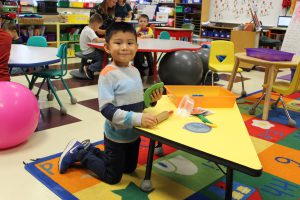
(179, 175)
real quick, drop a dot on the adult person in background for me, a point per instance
(123, 10)
(106, 10)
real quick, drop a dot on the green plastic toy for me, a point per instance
(148, 92)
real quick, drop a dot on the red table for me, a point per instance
(158, 45)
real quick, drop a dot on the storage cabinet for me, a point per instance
(56, 33)
(189, 11)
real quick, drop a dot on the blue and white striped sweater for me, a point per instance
(121, 102)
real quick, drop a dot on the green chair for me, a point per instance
(165, 35)
(188, 26)
(47, 74)
(37, 41)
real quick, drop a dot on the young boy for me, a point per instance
(11, 28)
(88, 35)
(121, 102)
(5, 46)
(144, 31)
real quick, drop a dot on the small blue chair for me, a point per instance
(165, 35)
(37, 41)
(47, 74)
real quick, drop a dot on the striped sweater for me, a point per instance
(121, 102)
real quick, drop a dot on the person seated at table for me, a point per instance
(87, 36)
(143, 31)
(121, 102)
(5, 46)
(123, 10)
(11, 28)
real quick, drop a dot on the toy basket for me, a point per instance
(203, 96)
(269, 54)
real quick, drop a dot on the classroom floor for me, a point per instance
(55, 131)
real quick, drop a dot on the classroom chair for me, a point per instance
(37, 41)
(221, 59)
(47, 74)
(165, 35)
(267, 42)
(188, 26)
(283, 88)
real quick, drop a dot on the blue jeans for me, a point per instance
(110, 164)
(97, 57)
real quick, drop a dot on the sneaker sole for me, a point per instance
(67, 149)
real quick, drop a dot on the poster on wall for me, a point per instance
(238, 11)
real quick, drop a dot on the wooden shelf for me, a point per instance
(218, 38)
(69, 41)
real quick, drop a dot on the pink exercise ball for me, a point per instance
(19, 114)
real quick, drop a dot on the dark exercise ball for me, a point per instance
(181, 68)
(204, 55)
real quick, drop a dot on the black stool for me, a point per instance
(79, 73)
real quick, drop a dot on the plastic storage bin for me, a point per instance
(203, 96)
(269, 54)
(179, 9)
(64, 37)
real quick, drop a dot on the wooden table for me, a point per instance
(229, 144)
(270, 72)
(178, 33)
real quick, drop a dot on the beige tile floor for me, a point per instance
(16, 183)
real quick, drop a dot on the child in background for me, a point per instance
(143, 31)
(121, 102)
(11, 28)
(5, 46)
(88, 35)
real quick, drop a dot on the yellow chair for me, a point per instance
(221, 59)
(283, 88)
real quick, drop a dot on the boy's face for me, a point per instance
(143, 22)
(122, 46)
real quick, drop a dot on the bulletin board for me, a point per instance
(238, 11)
(291, 42)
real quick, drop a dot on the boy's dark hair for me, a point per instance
(96, 18)
(9, 25)
(119, 27)
(144, 16)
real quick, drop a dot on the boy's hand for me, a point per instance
(148, 120)
(156, 95)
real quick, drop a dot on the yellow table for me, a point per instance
(229, 144)
(270, 72)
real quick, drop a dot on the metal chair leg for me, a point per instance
(39, 90)
(243, 93)
(291, 122)
(206, 77)
(252, 110)
(73, 99)
(62, 109)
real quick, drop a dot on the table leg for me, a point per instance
(154, 67)
(269, 84)
(233, 74)
(146, 184)
(229, 182)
